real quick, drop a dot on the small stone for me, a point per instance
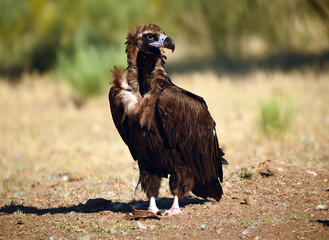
(244, 232)
(141, 225)
(203, 226)
(71, 177)
(219, 231)
(65, 178)
(85, 237)
(250, 201)
(52, 238)
(312, 172)
(322, 207)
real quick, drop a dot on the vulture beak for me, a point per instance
(164, 41)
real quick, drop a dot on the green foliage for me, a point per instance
(100, 230)
(247, 174)
(275, 116)
(293, 217)
(230, 25)
(34, 32)
(20, 213)
(88, 70)
(48, 35)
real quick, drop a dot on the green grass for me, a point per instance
(20, 213)
(293, 217)
(266, 220)
(33, 32)
(276, 116)
(247, 174)
(100, 230)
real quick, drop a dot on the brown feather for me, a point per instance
(168, 130)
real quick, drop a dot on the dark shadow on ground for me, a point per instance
(98, 205)
(324, 222)
(283, 62)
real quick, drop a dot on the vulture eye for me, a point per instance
(149, 37)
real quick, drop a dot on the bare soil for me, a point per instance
(66, 174)
(284, 202)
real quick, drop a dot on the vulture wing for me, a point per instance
(118, 115)
(187, 126)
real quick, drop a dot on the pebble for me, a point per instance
(313, 192)
(250, 201)
(244, 232)
(322, 207)
(203, 226)
(65, 178)
(141, 225)
(52, 238)
(85, 237)
(252, 226)
(219, 230)
(312, 172)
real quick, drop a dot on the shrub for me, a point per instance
(275, 116)
(88, 70)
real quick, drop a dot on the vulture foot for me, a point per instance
(172, 211)
(174, 208)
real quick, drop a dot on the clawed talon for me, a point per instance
(172, 211)
(160, 212)
(155, 210)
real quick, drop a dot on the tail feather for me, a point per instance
(211, 189)
(224, 161)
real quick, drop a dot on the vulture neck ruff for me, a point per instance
(145, 68)
(150, 68)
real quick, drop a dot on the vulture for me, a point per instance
(168, 130)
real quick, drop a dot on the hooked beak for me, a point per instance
(164, 41)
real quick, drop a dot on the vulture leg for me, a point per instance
(151, 185)
(153, 207)
(181, 182)
(174, 208)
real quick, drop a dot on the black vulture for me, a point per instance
(168, 130)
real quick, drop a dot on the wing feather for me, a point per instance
(118, 115)
(187, 125)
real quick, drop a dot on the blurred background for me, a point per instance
(79, 42)
(262, 66)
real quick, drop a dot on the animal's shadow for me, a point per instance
(99, 205)
(324, 222)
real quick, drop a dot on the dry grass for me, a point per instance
(44, 134)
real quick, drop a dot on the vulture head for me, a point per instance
(148, 39)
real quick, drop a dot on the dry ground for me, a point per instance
(54, 157)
